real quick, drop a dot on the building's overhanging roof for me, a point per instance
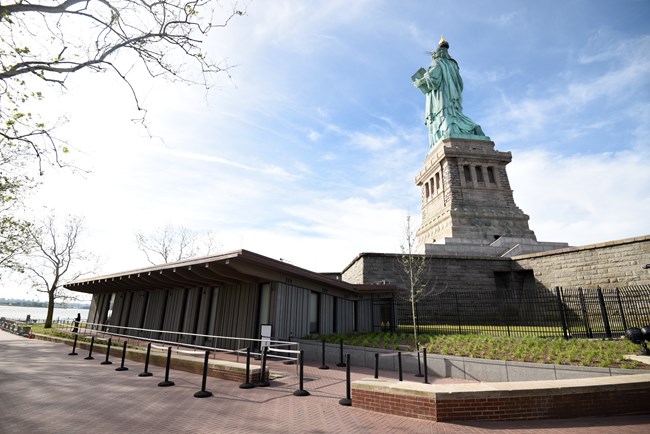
(236, 267)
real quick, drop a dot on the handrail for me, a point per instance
(281, 349)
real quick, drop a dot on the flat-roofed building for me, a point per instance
(233, 294)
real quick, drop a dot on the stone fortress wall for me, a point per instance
(459, 273)
(608, 265)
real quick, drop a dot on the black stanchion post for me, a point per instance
(419, 374)
(247, 384)
(122, 367)
(108, 353)
(341, 364)
(301, 391)
(74, 346)
(322, 358)
(76, 323)
(399, 365)
(166, 382)
(263, 381)
(347, 401)
(376, 365)
(204, 393)
(426, 371)
(90, 353)
(146, 372)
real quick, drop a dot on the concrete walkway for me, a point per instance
(43, 390)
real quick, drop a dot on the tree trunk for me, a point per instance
(415, 328)
(50, 310)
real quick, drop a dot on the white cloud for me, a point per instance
(309, 152)
(354, 223)
(314, 136)
(305, 28)
(267, 169)
(504, 20)
(329, 156)
(488, 77)
(372, 142)
(583, 199)
(605, 46)
(523, 118)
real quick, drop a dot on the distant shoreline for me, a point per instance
(40, 313)
(27, 303)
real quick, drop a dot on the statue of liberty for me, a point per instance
(443, 88)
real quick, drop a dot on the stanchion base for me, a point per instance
(341, 365)
(288, 362)
(165, 383)
(106, 362)
(202, 394)
(246, 386)
(89, 358)
(419, 375)
(301, 393)
(346, 402)
(145, 374)
(323, 367)
(72, 354)
(122, 368)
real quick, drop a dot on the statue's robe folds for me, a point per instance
(443, 87)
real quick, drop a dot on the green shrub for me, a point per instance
(585, 352)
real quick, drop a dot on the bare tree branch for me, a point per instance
(55, 255)
(44, 42)
(420, 281)
(174, 243)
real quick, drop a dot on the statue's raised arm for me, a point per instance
(443, 87)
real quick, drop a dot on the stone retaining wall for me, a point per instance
(603, 396)
(467, 368)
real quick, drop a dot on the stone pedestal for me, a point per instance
(466, 195)
(467, 203)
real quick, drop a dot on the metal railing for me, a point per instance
(21, 328)
(564, 312)
(277, 349)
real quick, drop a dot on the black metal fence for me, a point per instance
(565, 312)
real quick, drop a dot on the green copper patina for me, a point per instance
(443, 88)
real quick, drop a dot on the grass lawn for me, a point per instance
(580, 352)
(54, 331)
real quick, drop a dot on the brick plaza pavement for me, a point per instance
(43, 390)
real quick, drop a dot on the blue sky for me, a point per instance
(308, 152)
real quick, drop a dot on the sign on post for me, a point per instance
(265, 336)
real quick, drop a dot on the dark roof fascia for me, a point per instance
(244, 256)
(294, 270)
(168, 266)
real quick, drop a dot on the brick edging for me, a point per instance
(604, 396)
